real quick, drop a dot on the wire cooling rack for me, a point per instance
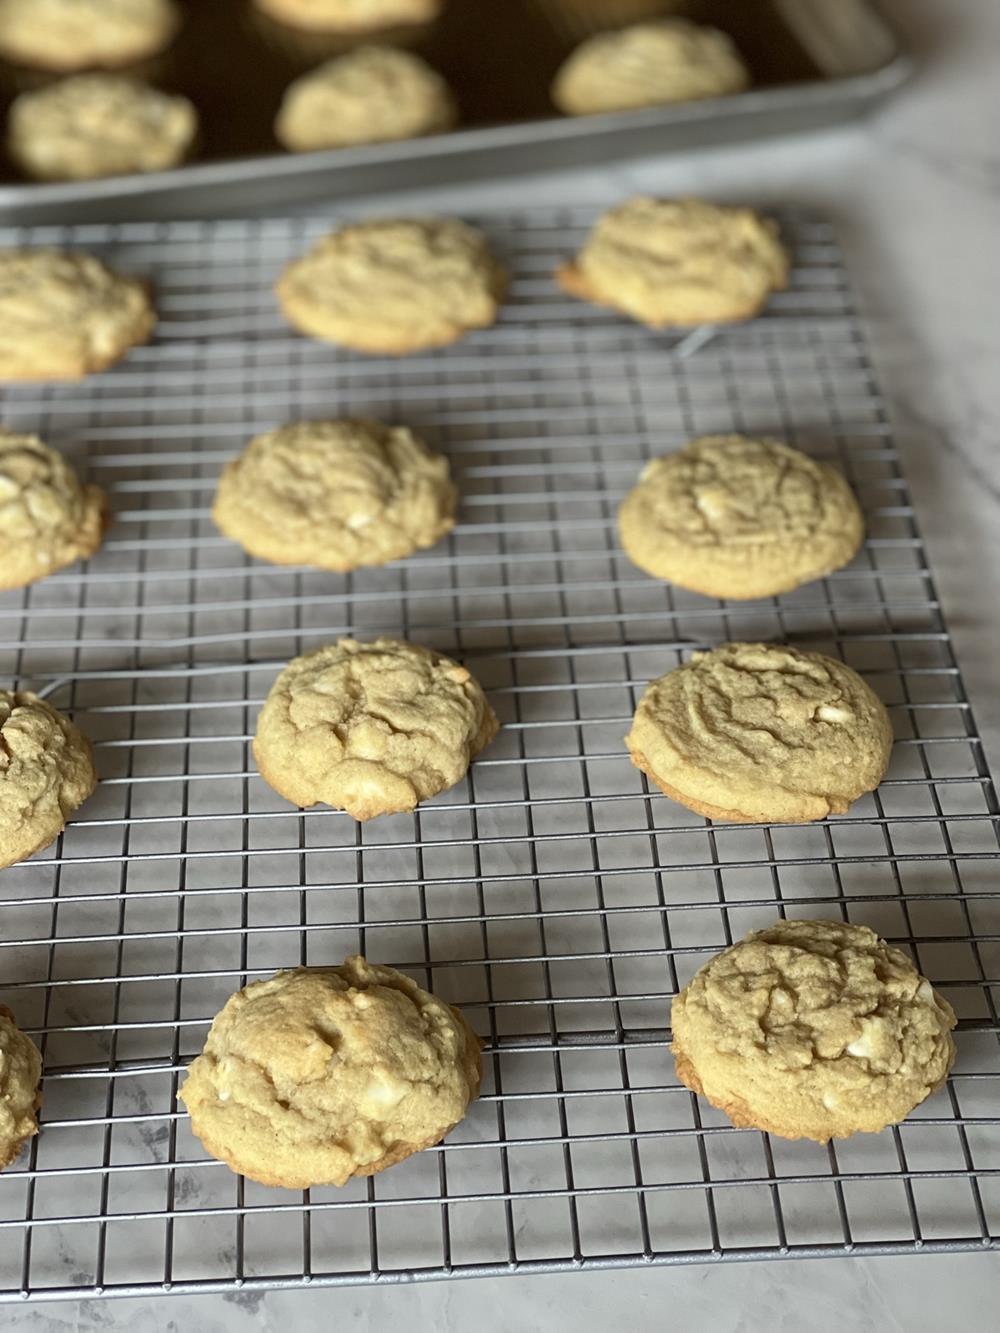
(551, 894)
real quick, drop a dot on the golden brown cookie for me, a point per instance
(738, 518)
(324, 1073)
(46, 772)
(373, 95)
(394, 286)
(648, 64)
(812, 1030)
(20, 1072)
(761, 733)
(679, 263)
(68, 35)
(95, 125)
(350, 15)
(47, 519)
(65, 314)
(335, 494)
(371, 728)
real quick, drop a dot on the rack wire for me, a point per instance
(552, 895)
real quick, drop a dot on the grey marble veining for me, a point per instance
(916, 199)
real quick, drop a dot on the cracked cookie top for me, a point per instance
(324, 1073)
(20, 1071)
(812, 1029)
(371, 728)
(46, 772)
(371, 95)
(95, 125)
(47, 519)
(648, 64)
(394, 285)
(64, 314)
(735, 517)
(67, 35)
(759, 732)
(336, 495)
(679, 263)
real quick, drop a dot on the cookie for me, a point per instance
(336, 495)
(373, 95)
(395, 286)
(734, 517)
(812, 1030)
(96, 125)
(679, 263)
(349, 15)
(20, 1072)
(47, 519)
(46, 772)
(320, 1074)
(65, 314)
(760, 733)
(371, 728)
(68, 35)
(648, 64)
(303, 49)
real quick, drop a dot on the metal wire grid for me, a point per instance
(552, 895)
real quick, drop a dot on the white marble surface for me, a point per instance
(916, 195)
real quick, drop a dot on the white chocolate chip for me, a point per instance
(828, 713)
(711, 501)
(383, 1092)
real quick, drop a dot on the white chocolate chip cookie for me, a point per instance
(349, 15)
(20, 1072)
(95, 125)
(812, 1030)
(738, 518)
(68, 35)
(64, 315)
(46, 772)
(757, 733)
(394, 286)
(371, 95)
(648, 64)
(371, 728)
(679, 263)
(47, 519)
(324, 1073)
(336, 495)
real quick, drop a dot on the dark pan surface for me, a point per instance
(499, 56)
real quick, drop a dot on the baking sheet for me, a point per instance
(812, 61)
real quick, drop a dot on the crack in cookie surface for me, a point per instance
(47, 518)
(371, 728)
(337, 495)
(812, 1029)
(766, 731)
(320, 1074)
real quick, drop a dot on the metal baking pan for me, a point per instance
(814, 62)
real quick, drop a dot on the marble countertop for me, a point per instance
(915, 196)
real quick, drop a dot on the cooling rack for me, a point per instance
(551, 895)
